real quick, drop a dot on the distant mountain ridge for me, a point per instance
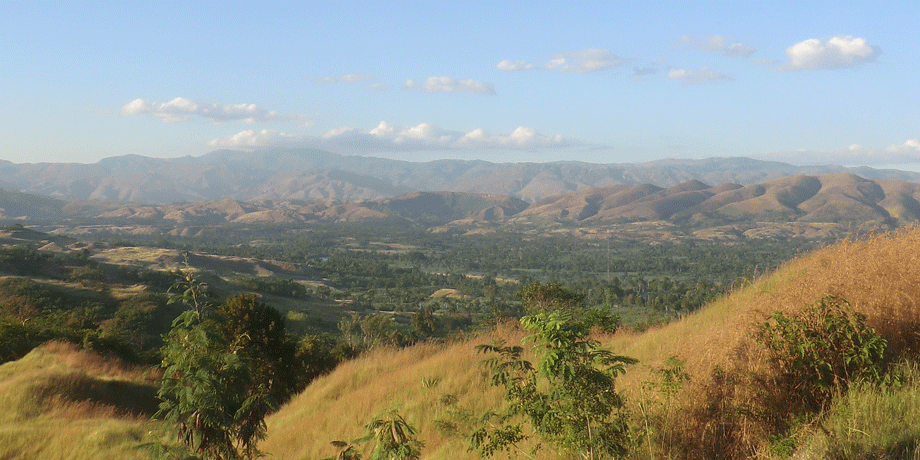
(792, 205)
(306, 174)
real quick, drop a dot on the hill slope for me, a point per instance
(440, 389)
(58, 403)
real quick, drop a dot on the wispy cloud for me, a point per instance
(250, 138)
(584, 61)
(347, 78)
(853, 155)
(181, 109)
(695, 77)
(580, 61)
(837, 52)
(514, 66)
(728, 46)
(386, 137)
(450, 85)
(640, 73)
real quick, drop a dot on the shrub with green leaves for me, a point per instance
(821, 350)
(568, 400)
(209, 390)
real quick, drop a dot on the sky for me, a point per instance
(603, 82)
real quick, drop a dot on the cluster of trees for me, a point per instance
(226, 365)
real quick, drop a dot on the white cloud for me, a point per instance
(514, 66)
(853, 155)
(720, 44)
(427, 136)
(451, 85)
(348, 78)
(180, 109)
(910, 146)
(838, 52)
(250, 138)
(584, 61)
(386, 137)
(378, 86)
(695, 77)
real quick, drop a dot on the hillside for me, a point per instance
(60, 403)
(306, 174)
(440, 390)
(793, 206)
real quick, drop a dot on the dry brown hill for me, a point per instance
(834, 198)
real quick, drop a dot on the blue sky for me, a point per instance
(606, 82)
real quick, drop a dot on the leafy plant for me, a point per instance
(394, 438)
(208, 390)
(822, 350)
(568, 399)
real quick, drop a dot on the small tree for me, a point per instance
(207, 390)
(568, 399)
(394, 438)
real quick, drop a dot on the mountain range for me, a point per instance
(305, 174)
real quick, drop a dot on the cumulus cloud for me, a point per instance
(514, 66)
(837, 52)
(250, 138)
(386, 137)
(910, 146)
(720, 44)
(450, 85)
(181, 109)
(348, 78)
(427, 136)
(584, 61)
(695, 77)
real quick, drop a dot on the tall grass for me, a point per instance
(720, 412)
(724, 410)
(871, 421)
(61, 403)
(438, 388)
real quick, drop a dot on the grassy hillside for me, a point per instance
(440, 388)
(58, 403)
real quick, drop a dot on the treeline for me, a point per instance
(398, 269)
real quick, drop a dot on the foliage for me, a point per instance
(537, 297)
(344, 451)
(209, 391)
(872, 420)
(242, 322)
(568, 399)
(394, 438)
(819, 352)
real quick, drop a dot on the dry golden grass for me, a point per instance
(61, 403)
(412, 380)
(879, 276)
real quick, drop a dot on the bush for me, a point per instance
(820, 351)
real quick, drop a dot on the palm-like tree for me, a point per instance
(395, 438)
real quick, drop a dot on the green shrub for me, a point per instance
(820, 351)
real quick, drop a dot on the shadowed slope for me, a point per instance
(61, 403)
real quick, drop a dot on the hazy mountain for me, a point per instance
(305, 174)
(831, 198)
(801, 205)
